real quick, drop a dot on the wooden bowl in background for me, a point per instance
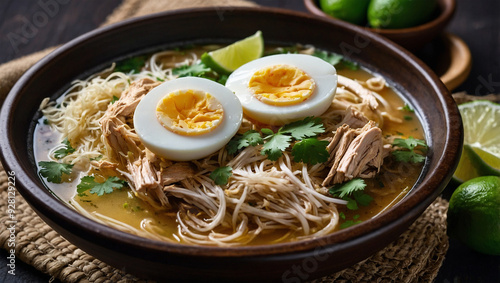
(412, 38)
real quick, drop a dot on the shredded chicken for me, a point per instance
(351, 93)
(357, 88)
(353, 118)
(123, 147)
(355, 153)
(177, 172)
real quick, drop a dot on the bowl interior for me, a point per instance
(95, 50)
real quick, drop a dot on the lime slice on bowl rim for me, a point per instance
(226, 60)
(481, 152)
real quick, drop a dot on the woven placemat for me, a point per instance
(415, 256)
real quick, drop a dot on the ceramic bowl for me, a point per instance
(413, 38)
(159, 260)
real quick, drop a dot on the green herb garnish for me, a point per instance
(54, 171)
(335, 59)
(310, 151)
(195, 70)
(353, 192)
(114, 99)
(133, 65)
(349, 223)
(199, 70)
(331, 58)
(249, 138)
(67, 149)
(350, 65)
(407, 108)
(276, 143)
(221, 175)
(407, 152)
(89, 183)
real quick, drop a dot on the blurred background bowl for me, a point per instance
(413, 38)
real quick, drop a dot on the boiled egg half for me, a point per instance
(280, 89)
(187, 118)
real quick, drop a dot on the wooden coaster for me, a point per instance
(459, 64)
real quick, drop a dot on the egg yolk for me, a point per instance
(189, 112)
(281, 85)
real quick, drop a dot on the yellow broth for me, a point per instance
(386, 189)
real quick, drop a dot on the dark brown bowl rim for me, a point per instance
(447, 10)
(46, 204)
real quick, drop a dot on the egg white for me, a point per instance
(323, 73)
(178, 147)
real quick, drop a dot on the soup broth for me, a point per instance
(124, 209)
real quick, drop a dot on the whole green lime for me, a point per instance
(394, 14)
(353, 11)
(474, 214)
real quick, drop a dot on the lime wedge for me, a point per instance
(481, 152)
(231, 57)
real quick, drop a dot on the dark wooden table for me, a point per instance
(27, 26)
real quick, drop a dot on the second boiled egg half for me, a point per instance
(280, 89)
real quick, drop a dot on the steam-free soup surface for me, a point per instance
(122, 209)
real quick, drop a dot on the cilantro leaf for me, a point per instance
(222, 79)
(347, 188)
(342, 215)
(306, 128)
(53, 171)
(267, 132)
(310, 151)
(133, 65)
(275, 146)
(114, 99)
(331, 58)
(351, 203)
(349, 223)
(350, 65)
(353, 192)
(408, 154)
(407, 108)
(362, 198)
(89, 183)
(335, 59)
(221, 175)
(200, 70)
(195, 70)
(409, 143)
(249, 138)
(67, 149)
